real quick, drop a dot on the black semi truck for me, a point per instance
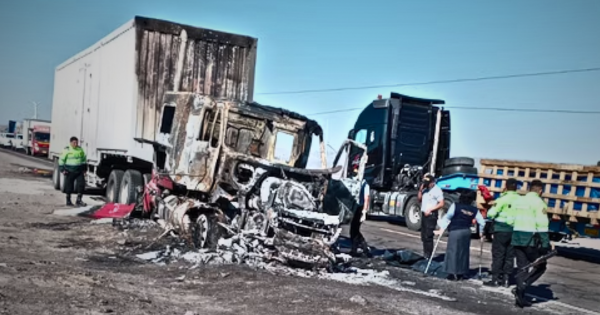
(405, 137)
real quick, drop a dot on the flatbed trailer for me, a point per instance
(571, 191)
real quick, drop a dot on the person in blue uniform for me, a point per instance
(458, 221)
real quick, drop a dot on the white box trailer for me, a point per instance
(111, 93)
(36, 136)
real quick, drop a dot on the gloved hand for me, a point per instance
(544, 250)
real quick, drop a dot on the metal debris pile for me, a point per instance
(283, 253)
(255, 249)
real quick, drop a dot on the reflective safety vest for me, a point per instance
(502, 210)
(72, 160)
(530, 221)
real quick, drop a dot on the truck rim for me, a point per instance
(413, 214)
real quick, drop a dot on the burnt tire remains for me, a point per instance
(206, 231)
(113, 185)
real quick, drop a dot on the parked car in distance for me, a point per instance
(5, 139)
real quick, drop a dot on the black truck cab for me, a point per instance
(400, 133)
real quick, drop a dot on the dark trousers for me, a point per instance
(503, 258)
(428, 225)
(357, 238)
(74, 182)
(525, 256)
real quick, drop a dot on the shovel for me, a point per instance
(432, 254)
(480, 257)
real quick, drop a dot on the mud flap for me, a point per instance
(109, 210)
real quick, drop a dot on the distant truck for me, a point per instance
(112, 93)
(407, 137)
(36, 136)
(572, 192)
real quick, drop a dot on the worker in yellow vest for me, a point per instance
(530, 238)
(73, 164)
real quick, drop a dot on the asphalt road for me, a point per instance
(40, 161)
(573, 282)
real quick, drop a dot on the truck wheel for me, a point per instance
(128, 193)
(459, 169)
(113, 186)
(61, 179)
(207, 231)
(56, 176)
(459, 161)
(442, 212)
(412, 215)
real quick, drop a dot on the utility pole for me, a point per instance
(35, 109)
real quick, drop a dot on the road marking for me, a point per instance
(416, 236)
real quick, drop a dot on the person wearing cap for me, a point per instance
(72, 163)
(432, 200)
(458, 222)
(530, 238)
(359, 217)
(503, 259)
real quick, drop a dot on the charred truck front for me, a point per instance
(243, 165)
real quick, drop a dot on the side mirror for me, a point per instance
(351, 134)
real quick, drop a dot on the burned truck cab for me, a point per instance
(251, 157)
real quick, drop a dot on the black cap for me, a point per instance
(512, 182)
(428, 178)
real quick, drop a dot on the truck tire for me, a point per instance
(62, 181)
(128, 192)
(113, 185)
(459, 169)
(412, 214)
(56, 175)
(459, 161)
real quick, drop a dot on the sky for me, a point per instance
(310, 44)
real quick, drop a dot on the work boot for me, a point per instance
(492, 283)
(69, 202)
(520, 300)
(79, 202)
(504, 282)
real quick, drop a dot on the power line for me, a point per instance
(498, 109)
(498, 77)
